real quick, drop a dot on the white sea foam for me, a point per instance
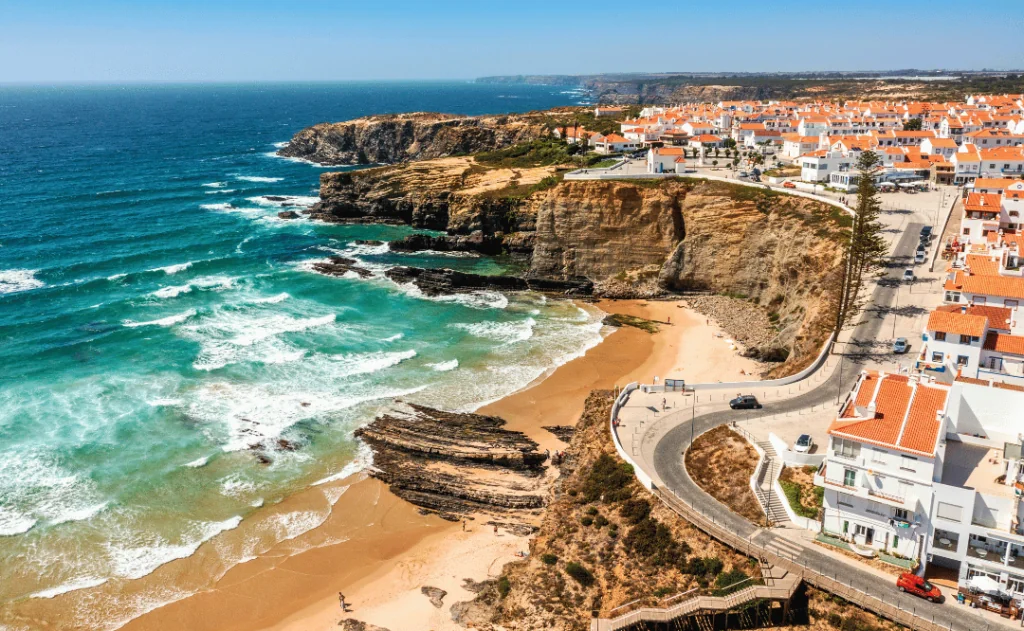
(504, 332)
(363, 363)
(393, 338)
(258, 178)
(362, 249)
(221, 191)
(271, 300)
(231, 208)
(334, 493)
(168, 321)
(15, 280)
(171, 291)
(116, 277)
(281, 201)
(282, 144)
(363, 458)
(205, 282)
(84, 513)
(215, 184)
(476, 299)
(287, 526)
(234, 486)
(445, 366)
(233, 336)
(198, 462)
(146, 552)
(14, 523)
(173, 269)
(78, 583)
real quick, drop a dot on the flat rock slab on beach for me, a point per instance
(435, 594)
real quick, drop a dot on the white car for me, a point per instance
(908, 275)
(803, 444)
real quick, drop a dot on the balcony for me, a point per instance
(985, 554)
(886, 496)
(947, 541)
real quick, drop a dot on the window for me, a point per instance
(844, 499)
(849, 477)
(940, 336)
(1015, 585)
(965, 340)
(949, 512)
(1010, 303)
(937, 357)
(845, 448)
(961, 360)
(902, 514)
(878, 456)
(908, 463)
(876, 508)
(967, 232)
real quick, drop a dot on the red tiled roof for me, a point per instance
(956, 322)
(983, 202)
(905, 418)
(998, 317)
(1004, 343)
(1001, 286)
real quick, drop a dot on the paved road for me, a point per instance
(868, 340)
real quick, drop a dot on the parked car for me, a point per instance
(745, 402)
(744, 174)
(908, 275)
(926, 232)
(914, 584)
(788, 184)
(900, 346)
(919, 256)
(803, 444)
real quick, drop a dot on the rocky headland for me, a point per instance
(388, 139)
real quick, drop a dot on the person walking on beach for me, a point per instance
(664, 405)
(341, 601)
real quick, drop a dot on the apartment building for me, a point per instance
(881, 458)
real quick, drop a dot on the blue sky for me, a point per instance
(301, 40)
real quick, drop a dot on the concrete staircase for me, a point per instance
(770, 501)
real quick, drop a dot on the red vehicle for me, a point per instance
(788, 184)
(914, 584)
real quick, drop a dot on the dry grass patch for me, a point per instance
(721, 462)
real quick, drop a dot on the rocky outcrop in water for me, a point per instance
(340, 265)
(417, 136)
(442, 281)
(456, 464)
(476, 242)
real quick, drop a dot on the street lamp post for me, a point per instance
(895, 310)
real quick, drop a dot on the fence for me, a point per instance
(620, 400)
(829, 576)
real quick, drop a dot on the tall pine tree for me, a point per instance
(866, 249)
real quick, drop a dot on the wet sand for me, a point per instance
(379, 550)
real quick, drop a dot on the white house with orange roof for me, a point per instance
(977, 341)
(879, 465)
(944, 147)
(612, 143)
(795, 145)
(1002, 162)
(663, 159)
(966, 164)
(818, 166)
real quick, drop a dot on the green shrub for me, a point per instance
(728, 582)
(654, 541)
(608, 479)
(635, 511)
(600, 521)
(793, 494)
(662, 591)
(582, 575)
(548, 558)
(587, 521)
(592, 511)
(714, 566)
(504, 586)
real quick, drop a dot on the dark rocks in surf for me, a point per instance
(340, 265)
(476, 242)
(433, 282)
(288, 214)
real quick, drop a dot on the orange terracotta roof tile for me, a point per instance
(1004, 343)
(1001, 286)
(921, 430)
(956, 322)
(983, 202)
(998, 317)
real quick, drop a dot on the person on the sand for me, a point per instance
(341, 601)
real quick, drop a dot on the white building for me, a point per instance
(819, 165)
(880, 461)
(663, 159)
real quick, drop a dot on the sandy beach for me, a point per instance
(379, 551)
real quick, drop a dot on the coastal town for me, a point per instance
(917, 460)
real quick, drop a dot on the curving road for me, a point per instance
(868, 339)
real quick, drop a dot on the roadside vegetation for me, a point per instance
(721, 462)
(804, 498)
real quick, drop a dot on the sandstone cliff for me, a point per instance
(417, 136)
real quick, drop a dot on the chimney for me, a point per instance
(963, 308)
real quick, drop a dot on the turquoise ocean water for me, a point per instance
(157, 320)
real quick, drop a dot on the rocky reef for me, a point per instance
(435, 282)
(416, 136)
(458, 464)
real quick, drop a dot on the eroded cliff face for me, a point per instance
(775, 254)
(642, 238)
(416, 136)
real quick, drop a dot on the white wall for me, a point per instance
(992, 412)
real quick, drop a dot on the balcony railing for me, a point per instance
(886, 496)
(992, 556)
(943, 543)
